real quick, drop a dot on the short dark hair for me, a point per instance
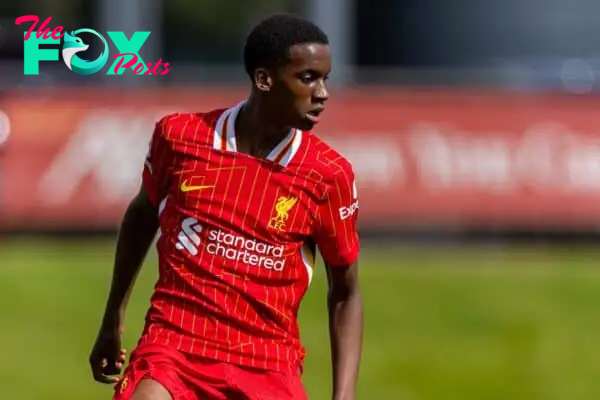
(269, 43)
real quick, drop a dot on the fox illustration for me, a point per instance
(73, 45)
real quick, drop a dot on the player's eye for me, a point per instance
(307, 78)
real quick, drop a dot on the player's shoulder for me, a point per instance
(327, 160)
(188, 125)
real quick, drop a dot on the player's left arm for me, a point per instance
(345, 306)
(338, 241)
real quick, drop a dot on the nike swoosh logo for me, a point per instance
(187, 188)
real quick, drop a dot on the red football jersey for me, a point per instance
(238, 236)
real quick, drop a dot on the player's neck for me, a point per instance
(254, 134)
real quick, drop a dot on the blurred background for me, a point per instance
(474, 131)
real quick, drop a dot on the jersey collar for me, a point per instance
(224, 138)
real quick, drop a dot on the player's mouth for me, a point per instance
(314, 115)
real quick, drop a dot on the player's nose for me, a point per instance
(321, 94)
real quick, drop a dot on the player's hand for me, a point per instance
(107, 357)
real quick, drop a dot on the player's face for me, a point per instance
(300, 91)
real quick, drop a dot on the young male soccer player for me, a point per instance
(241, 197)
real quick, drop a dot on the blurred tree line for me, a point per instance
(212, 31)
(388, 33)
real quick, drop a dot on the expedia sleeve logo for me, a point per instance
(347, 212)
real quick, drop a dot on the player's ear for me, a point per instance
(263, 80)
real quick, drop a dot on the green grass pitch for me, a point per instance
(441, 323)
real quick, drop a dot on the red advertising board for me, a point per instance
(422, 158)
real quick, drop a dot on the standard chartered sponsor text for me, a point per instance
(247, 251)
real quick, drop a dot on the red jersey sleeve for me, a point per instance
(157, 164)
(336, 235)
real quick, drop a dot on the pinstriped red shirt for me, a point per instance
(238, 237)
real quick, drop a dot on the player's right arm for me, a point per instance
(138, 228)
(137, 231)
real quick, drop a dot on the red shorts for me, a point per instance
(189, 378)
